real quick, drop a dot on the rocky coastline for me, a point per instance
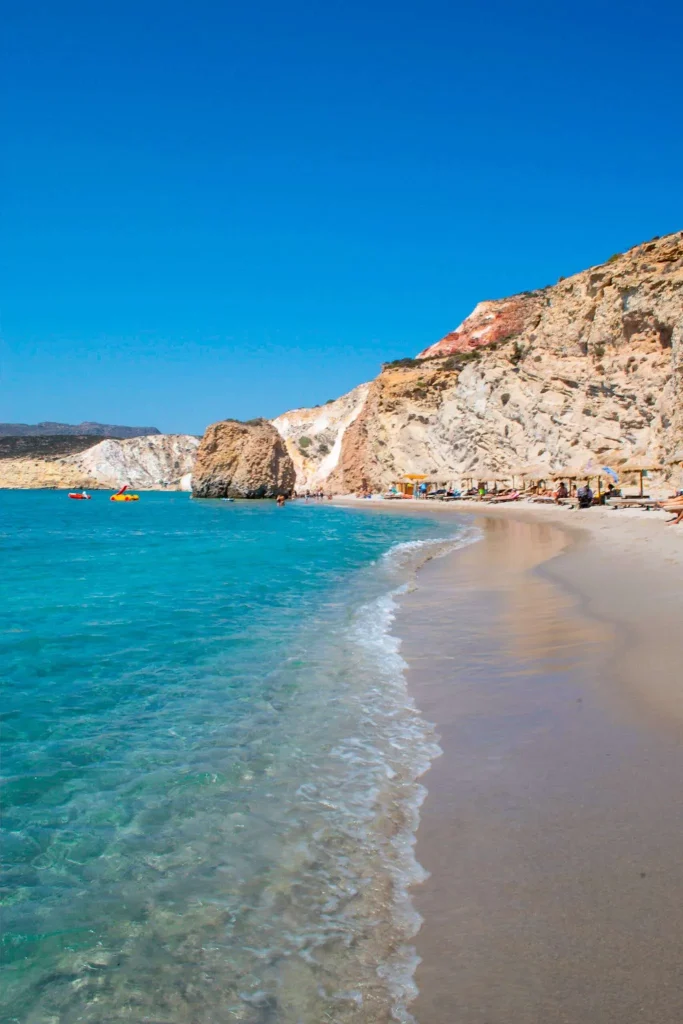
(587, 370)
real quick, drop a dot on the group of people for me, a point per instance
(306, 496)
(585, 494)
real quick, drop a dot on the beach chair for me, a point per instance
(513, 496)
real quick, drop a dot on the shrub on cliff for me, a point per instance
(406, 363)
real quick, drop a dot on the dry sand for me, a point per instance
(550, 658)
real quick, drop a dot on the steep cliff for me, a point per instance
(242, 460)
(314, 437)
(590, 368)
(157, 462)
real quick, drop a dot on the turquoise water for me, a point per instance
(209, 760)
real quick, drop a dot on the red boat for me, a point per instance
(81, 496)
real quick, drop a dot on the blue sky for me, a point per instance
(231, 209)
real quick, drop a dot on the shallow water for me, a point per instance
(209, 760)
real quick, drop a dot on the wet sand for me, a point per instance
(550, 661)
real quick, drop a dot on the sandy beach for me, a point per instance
(549, 657)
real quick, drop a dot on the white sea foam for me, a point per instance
(267, 842)
(410, 742)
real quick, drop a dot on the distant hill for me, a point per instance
(45, 446)
(81, 429)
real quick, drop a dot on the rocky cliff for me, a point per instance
(242, 460)
(157, 462)
(314, 437)
(589, 368)
(161, 462)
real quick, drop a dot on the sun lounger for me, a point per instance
(674, 506)
(646, 503)
(505, 497)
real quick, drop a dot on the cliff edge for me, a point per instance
(589, 368)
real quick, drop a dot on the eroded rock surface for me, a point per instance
(588, 369)
(157, 462)
(242, 460)
(314, 437)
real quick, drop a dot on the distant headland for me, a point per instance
(80, 429)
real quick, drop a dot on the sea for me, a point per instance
(210, 760)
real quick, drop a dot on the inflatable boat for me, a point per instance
(79, 496)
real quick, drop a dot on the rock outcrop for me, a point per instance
(242, 460)
(157, 462)
(588, 369)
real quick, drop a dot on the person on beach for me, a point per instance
(585, 496)
(561, 492)
(674, 505)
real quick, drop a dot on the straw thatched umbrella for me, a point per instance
(575, 471)
(533, 472)
(487, 475)
(640, 464)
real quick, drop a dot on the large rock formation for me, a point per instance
(242, 460)
(590, 368)
(157, 462)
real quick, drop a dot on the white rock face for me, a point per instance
(586, 372)
(157, 462)
(314, 437)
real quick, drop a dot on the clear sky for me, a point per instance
(234, 208)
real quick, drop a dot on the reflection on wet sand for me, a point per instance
(551, 829)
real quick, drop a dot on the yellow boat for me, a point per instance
(122, 496)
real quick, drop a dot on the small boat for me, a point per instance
(122, 496)
(80, 495)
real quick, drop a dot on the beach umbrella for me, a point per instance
(578, 471)
(487, 475)
(640, 464)
(571, 472)
(534, 472)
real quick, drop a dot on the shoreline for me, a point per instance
(547, 657)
